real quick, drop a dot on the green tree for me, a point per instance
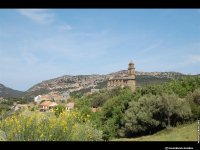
(139, 117)
(184, 85)
(194, 100)
(58, 109)
(112, 112)
(154, 112)
(174, 108)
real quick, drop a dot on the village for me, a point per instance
(46, 102)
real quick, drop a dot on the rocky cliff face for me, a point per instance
(71, 84)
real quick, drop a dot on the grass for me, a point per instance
(187, 132)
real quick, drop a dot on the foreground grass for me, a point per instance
(186, 132)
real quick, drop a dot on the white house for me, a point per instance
(38, 99)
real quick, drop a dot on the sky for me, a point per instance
(41, 44)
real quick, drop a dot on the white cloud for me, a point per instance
(42, 16)
(64, 27)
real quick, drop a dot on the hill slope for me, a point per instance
(8, 92)
(84, 83)
(186, 132)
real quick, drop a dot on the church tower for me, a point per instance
(128, 80)
(131, 76)
(131, 70)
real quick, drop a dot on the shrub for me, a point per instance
(37, 126)
(86, 133)
(58, 109)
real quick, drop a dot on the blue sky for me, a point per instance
(40, 44)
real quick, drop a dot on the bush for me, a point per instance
(86, 133)
(37, 126)
(2, 136)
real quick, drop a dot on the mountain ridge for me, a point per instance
(9, 92)
(74, 83)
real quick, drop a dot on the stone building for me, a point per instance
(128, 80)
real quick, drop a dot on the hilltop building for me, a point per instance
(128, 80)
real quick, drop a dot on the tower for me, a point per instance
(131, 76)
(125, 80)
(131, 70)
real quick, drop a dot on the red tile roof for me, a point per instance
(48, 103)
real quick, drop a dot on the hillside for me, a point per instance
(66, 84)
(83, 83)
(186, 132)
(8, 92)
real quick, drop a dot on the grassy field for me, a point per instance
(186, 132)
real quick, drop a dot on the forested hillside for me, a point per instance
(119, 113)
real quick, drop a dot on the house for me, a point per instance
(47, 105)
(38, 99)
(70, 106)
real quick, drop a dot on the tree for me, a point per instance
(184, 85)
(174, 108)
(139, 117)
(98, 99)
(154, 112)
(112, 112)
(194, 100)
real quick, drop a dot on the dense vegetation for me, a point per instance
(7, 103)
(37, 126)
(149, 109)
(120, 113)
